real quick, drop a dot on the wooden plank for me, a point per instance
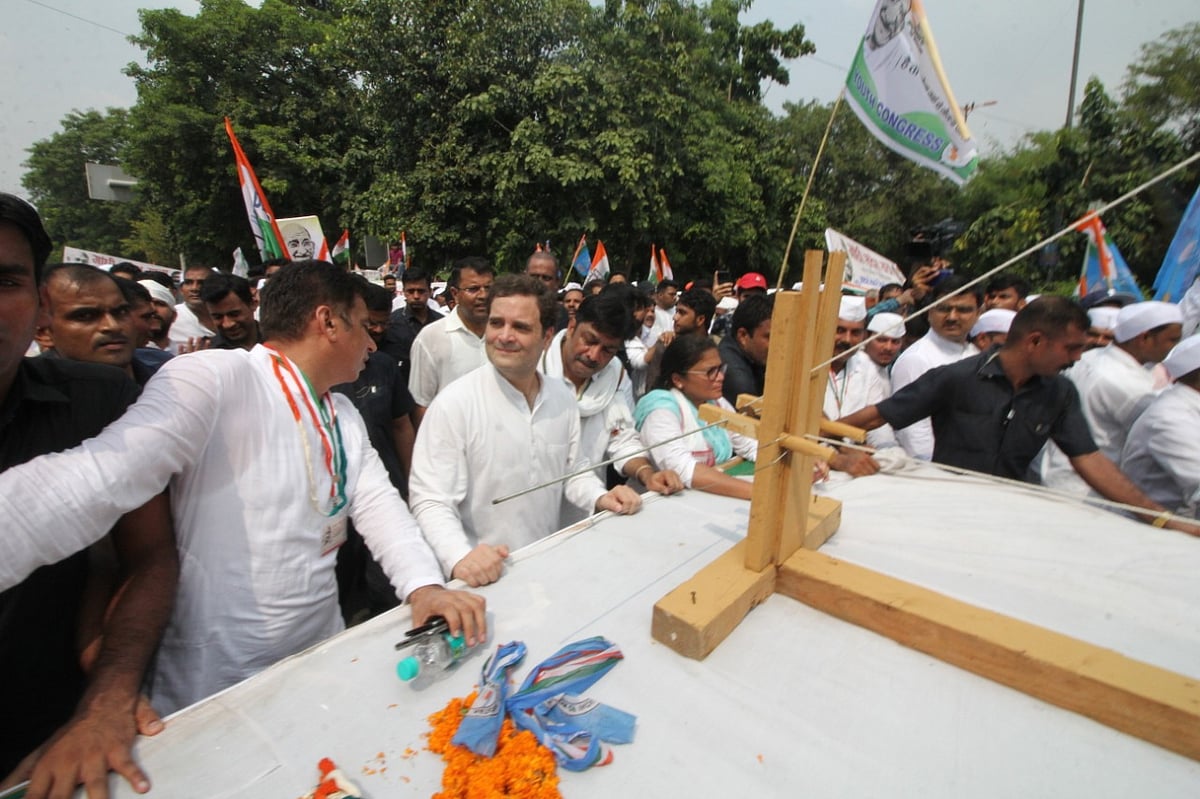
(734, 422)
(824, 518)
(699, 614)
(1145, 701)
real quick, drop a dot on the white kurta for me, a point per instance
(256, 577)
(1189, 304)
(1114, 388)
(1161, 455)
(854, 388)
(606, 428)
(682, 454)
(186, 326)
(479, 441)
(929, 352)
(442, 352)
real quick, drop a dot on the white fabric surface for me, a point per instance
(480, 441)
(254, 586)
(682, 454)
(186, 326)
(793, 703)
(928, 352)
(1190, 306)
(442, 352)
(1113, 390)
(1161, 453)
(606, 428)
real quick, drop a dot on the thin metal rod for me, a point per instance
(812, 173)
(595, 466)
(1027, 252)
(1032, 488)
(1074, 67)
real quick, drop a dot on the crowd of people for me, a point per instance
(197, 488)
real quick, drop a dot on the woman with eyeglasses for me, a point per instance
(692, 374)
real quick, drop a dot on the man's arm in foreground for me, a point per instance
(1110, 482)
(100, 736)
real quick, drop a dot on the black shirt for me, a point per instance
(980, 423)
(402, 330)
(381, 395)
(53, 404)
(742, 375)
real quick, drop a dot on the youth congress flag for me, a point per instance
(897, 88)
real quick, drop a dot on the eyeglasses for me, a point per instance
(473, 290)
(714, 374)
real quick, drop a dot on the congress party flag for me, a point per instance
(341, 250)
(258, 211)
(599, 270)
(655, 273)
(898, 89)
(1182, 264)
(665, 265)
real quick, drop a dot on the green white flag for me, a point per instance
(898, 89)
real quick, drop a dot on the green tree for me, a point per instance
(1162, 87)
(292, 101)
(57, 184)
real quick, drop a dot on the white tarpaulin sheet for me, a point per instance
(793, 703)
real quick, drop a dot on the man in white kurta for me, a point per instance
(264, 467)
(496, 431)
(950, 321)
(1160, 453)
(1115, 385)
(450, 347)
(583, 357)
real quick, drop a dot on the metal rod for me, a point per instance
(1074, 67)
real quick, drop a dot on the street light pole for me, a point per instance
(1075, 66)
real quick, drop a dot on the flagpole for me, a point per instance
(804, 197)
(570, 270)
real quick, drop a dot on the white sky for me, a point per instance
(61, 55)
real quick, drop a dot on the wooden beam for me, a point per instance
(698, 615)
(1145, 701)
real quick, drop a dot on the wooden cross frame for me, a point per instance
(788, 524)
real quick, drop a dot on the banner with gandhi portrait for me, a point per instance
(898, 89)
(303, 238)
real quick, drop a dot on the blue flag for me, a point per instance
(1182, 264)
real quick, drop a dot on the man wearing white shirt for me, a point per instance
(854, 385)
(1115, 385)
(450, 347)
(886, 332)
(584, 357)
(265, 467)
(499, 430)
(665, 296)
(950, 320)
(192, 322)
(1160, 454)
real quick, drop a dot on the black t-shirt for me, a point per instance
(53, 405)
(979, 423)
(381, 395)
(742, 375)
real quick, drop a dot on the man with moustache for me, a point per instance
(886, 338)
(231, 305)
(266, 468)
(992, 412)
(162, 300)
(88, 319)
(499, 430)
(950, 321)
(192, 323)
(584, 357)
(853, 385)
(744, 350)
(452, 346)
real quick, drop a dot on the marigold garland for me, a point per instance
(522, 767)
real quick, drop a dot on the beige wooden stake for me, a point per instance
(1145, 701)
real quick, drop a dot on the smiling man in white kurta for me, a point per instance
(496, 431)
(265, 466)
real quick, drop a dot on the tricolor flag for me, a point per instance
(341, 250)
(599, 270)
(655, 273)
(664, 266)
(240, 267)
(1182, 264)
(262, 219)
(582, 262)
(899, 91)
(1103, 267)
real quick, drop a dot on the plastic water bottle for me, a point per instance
(431, 657)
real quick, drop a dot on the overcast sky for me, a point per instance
(61, 55)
